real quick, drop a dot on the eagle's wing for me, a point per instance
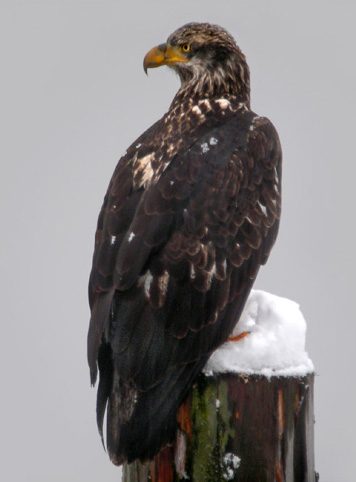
(174, 262)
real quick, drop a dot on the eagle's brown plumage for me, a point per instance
(191, 213)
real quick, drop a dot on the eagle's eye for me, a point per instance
(186, 47)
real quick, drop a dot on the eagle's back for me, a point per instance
(191, 213)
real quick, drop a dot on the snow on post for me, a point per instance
(275, 344)
(249, 416)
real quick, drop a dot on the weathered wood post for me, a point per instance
(240, 428)
(247, 428)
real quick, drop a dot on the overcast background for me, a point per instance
(73, 97)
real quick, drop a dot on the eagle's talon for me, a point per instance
(239, 336)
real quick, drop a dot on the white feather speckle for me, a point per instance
(218, 404)
(171, 148)
(276, 174)
(138, 145)
(204, 147)
(213, 141)
(112, 240)
(147, 282)
(197, 110)
(143, 171)
(131, 236)
(163, 283)
(263, 208)
(224, 103)
(252, 126)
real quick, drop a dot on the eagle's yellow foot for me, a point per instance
(238, 337)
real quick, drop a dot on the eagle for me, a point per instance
(191, 213)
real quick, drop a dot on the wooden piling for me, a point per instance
(239, 428)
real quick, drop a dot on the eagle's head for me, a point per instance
(206, 58)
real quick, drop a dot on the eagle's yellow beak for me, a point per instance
(162, 55)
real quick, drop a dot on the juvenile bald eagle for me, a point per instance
(191, 212)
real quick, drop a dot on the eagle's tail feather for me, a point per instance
(105, 384)
(152, 423)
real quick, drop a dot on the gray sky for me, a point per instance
(73, 97)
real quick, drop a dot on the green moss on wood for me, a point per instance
(211, 419)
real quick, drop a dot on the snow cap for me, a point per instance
(275, 345)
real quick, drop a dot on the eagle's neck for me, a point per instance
(227, 80)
